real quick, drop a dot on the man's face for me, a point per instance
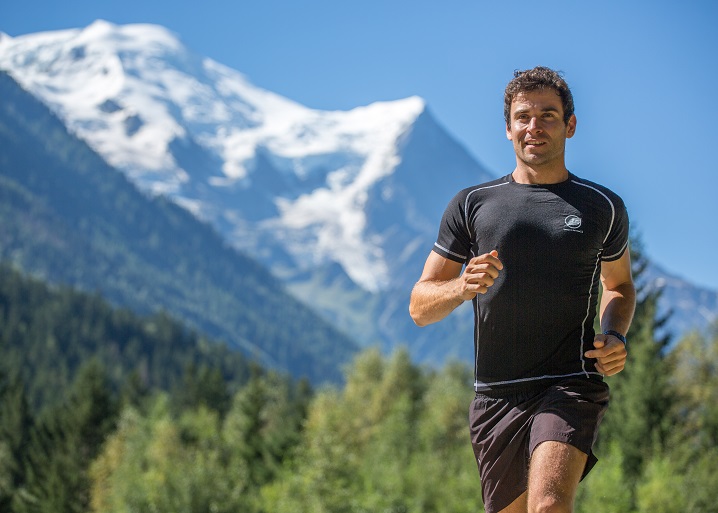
(537, 129)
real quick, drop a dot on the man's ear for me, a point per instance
(509, 135)
(571, 126)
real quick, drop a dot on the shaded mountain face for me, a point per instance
(343, 206)
(69, 217)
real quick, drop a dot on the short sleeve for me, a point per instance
(617, 239)
(454, 239)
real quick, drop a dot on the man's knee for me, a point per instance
(554, 473)
(550, 504)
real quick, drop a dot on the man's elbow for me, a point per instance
(417, 316)
(419, 322)
(421, 313)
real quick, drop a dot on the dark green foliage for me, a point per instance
(46, 334)
(265, 424)
(64, 442)
(67, 216)
(203, 386)
(82, 361)
(16, 424)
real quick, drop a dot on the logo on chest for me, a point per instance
(572, 223)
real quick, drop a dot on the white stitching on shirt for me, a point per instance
(442, 248)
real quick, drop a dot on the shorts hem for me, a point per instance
(556, 437)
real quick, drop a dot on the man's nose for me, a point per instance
(534, 124)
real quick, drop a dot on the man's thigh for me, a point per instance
(555, 470)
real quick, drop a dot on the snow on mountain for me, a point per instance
(344, 205)
(198, 131)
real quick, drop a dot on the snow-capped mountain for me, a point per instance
(250, 161)
(344, 205)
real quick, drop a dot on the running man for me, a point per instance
(529, 250)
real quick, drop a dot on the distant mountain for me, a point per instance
(68, 217)
(343, 206)
(690, 306)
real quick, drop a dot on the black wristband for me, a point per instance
(616, 334)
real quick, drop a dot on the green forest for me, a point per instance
(105, 411)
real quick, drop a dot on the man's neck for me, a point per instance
(539, 174)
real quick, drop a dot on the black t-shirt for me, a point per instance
(536, 321)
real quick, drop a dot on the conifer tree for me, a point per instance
(15, 425)
(263, 425)
(205, 386)
(64, 443)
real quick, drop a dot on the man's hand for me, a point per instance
(442, 286)
(479, 275)
(610, 354)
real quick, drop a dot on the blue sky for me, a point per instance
(643, 74)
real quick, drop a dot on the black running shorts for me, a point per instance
(506, 428)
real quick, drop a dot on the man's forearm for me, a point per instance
(617, 307)
(432, 301)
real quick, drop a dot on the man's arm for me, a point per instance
(616, 313)
(442, 286)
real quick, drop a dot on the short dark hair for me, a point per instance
(534, 79)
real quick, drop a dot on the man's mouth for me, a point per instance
(535, 143)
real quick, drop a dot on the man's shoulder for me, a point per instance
(485, 186)
(491, 183)
(588, 185)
